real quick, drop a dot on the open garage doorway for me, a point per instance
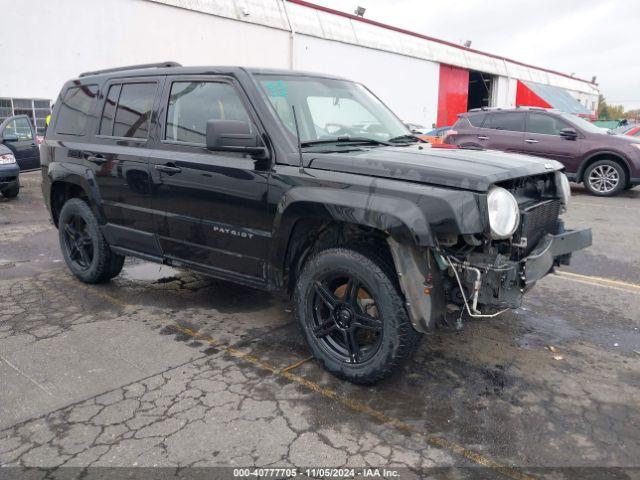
(480, 89)
(461, 90)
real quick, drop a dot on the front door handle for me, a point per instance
(169, 169)
(482, 137)
(531, 140)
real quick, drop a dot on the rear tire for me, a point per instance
(11, 192)
(605, 178)
(84, 248)
(352, 315)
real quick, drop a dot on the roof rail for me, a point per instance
(132, 67)
(533, 107)
(484, 109)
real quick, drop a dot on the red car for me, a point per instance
(634, 132)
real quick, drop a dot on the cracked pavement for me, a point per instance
(162, 367)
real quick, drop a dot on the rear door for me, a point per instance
(503, 131)
(118, 156)
(19, 136)
(543, 139)
(209, 207)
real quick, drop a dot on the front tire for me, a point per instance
(84, 248)
(605, 178)
(11, 192)
(352, 315)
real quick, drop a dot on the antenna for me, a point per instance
(295, 122)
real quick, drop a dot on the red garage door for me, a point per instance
(452, 94)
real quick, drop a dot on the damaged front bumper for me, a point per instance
(494, 282)
(487, 283)
(553, 250)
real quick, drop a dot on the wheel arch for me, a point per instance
(65, 187)
(309, 217)
(604, 155)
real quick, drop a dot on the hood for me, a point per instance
(4, 150)
(468, 169)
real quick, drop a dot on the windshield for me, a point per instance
(329, 109)
(583, 124)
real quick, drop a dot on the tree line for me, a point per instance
(615, 112)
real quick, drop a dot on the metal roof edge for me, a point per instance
(332, 11)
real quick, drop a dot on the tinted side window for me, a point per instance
(133, 112)
(74, 109)
(19, 127)
(191, 104)
(109, 111)
(513, 122)
(545, 124)
(477, 120)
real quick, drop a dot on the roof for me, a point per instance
(558, 98)
(426, 37)
(148, 70)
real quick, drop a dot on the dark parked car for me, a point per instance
(373, 232)
(9, 173)
(606, 164)
(17, 133)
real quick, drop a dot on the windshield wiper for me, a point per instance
(409, 138)
(345, 140)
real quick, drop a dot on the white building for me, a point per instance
(424, 80)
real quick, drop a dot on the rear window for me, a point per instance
(74, 110)
(127, 110)
(512, 122)
(476, 120)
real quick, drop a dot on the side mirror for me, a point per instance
(233, 136)
(569, 133)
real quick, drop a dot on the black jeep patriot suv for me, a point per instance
(300, 183)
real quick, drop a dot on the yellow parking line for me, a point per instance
(296, 365)
(328, 393)
(359, 407)
(600, 281)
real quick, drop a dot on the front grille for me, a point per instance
(538, 220)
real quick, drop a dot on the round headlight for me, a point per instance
(563, 187)
(504, 213)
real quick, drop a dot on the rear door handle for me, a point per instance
(169, 169)
(531, 140)
(482, 137)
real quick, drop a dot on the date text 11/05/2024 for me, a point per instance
(315, 472)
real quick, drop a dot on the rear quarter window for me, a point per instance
(75, 108)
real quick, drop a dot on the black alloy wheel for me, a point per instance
(352, 314)
(78, 242)
(84, 248)
(346, 319)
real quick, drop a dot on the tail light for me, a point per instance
(39, 139)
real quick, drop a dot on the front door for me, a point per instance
(18, 134)
(543, 139)
(210, 207)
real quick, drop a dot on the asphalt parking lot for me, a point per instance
(162, 367)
